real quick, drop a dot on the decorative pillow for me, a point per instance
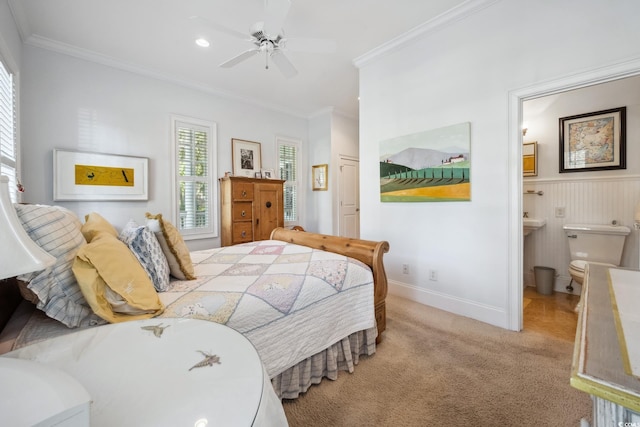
(113, 281)
(145, 246)
(57, 231)
(173, 247)
(94, 224)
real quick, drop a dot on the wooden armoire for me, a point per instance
(250, 209)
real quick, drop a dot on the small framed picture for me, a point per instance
(246, 157)
(319, 177)
(268, 174)
(258, 175)
(530, 159)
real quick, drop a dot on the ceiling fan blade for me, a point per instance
(275, 14)
(218, 27)
(239, 58)
(309, 45)
(284, 65)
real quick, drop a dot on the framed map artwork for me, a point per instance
(593, 141)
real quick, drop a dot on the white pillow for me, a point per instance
(145, 246)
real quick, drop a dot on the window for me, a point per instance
(8, 140)
(195, 145)
(288, 169)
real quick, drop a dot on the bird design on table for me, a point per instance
(156, 329)
(209, 360)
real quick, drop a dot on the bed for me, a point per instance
(311, 304)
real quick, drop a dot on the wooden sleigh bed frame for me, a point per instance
(366, 251)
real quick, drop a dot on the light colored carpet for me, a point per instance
(434, 368)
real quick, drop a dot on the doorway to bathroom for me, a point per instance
(538, 109)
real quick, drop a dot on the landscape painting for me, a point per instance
(429, 166)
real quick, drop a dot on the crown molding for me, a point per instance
(91, 56)
(321, 112)
(455, 14)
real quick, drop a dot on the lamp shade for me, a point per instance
(18, 253)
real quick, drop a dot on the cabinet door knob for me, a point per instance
(244, 193)
(243, 214)
(243, 234)
(268, 204)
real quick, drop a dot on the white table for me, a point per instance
(147, 373)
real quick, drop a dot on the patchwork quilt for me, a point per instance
(290, 301)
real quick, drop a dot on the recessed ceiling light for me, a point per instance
(202, 42)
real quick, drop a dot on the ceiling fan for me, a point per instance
(268, 38)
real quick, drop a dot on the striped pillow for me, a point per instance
(57, 231)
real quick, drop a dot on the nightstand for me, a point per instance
(32, 393)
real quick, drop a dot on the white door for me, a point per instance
(349, 193)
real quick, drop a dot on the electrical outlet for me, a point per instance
(560, 212)
(405, 268)
(433, 275)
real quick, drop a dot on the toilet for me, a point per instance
(594, 243)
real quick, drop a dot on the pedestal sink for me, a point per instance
(532, 224)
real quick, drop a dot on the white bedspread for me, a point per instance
(290, 301)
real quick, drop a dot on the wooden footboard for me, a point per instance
(367, 251)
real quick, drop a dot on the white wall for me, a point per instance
(588, 197)
(10, 44)
(330, 136)
(319, 202)
(465, 72)
(74, 104)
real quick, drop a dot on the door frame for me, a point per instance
(605, 74)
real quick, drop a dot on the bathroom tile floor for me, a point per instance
(552, 315)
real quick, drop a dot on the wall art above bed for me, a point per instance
(96, 176)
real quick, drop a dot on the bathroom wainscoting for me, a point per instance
(587, 200)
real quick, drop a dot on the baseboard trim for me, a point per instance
(488, 314)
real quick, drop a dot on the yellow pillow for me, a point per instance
(113, 282)
(173, 246)
(95, 224)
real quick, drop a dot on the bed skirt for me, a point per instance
(341, 356)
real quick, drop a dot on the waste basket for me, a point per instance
(544, 277)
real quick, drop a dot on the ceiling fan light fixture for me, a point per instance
(203, 42)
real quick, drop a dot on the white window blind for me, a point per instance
(288, 167)
(8, 148)
(195, 146)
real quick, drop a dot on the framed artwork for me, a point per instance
(428, 166)
(95, 176)
(268, 174)
(246, 157)
(319, 177)
(593, 141)
(530, 159)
